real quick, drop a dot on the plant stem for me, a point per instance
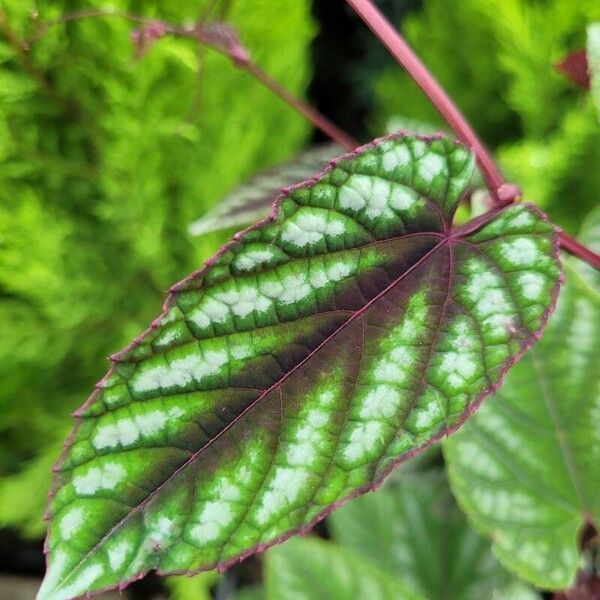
(237, 54)
(317, 119)
(502, 193)
(402, 52)
(21, 48)
(224, 40)
(572, 246)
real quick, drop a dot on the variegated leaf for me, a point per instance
(309, 357)
(526, 469)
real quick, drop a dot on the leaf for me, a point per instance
(311, 569)
(593, 60)
(412, 526)
(253, 199)
(94, 210)
(305, 361)
(574, 67)
(526, 468)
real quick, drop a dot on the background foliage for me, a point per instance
(104, 162)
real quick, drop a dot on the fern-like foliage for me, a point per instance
(104, 161)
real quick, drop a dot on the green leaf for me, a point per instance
(526, 468)
(593, 59)
(253, 199)
(312, 569)
(413, 528)
(306, 360)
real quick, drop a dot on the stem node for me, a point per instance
(502, 193)
(508, 193)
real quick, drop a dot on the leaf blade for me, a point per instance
(193, 450)
(310, 569)
(538, 434)
(412, 527)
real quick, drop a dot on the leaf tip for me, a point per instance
(575, 68)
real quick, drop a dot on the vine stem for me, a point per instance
(321, 122)
(402, 52)
(502, 193)
(228, 45)
(240, 57)
(572, 246)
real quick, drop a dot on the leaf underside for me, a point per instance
(295, 370)
(253, 199)
(313, 569)
(526, 468)
(413, 530)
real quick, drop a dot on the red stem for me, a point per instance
(572, 246)
(402, 52)
(242, 61)
(502, 193)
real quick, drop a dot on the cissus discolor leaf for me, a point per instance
(526, 468)
(306, 360)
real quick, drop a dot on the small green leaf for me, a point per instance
(253, 199)
(412, 528)
(526, 468)
(306, 360)
(312, 569)
(593, 60)
(402, 123)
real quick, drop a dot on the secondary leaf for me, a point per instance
(253, 199)
(299, 367)
(526, 468)
(311, 569)
(412, 528)
(575, 68)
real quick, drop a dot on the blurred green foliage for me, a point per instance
(496, 60)
(104, 161)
